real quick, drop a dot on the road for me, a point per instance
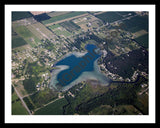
(143, 91)
(59, 97)
(71, 18)
(23, 103)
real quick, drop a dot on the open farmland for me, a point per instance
(136, 23)
(143, 40)
(18, 41)
(42, 17)
(59, 30)
(62, 17)
(70, 26)
(57, 13)
(109, 17)
(26, 34)
(40, 31)
(20, 15)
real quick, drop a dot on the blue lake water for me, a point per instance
(77, 66)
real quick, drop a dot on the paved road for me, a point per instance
(21, 98)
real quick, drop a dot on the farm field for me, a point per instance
(109, 17)
(62, 17)
(143, 40)
(55, 108)
(42, 17)
(17, 107)
(18, 41)
(57, 13)
(20, 15)
(27, 35)
(59, 30)
(40, 31)
(136, 23)
(139, 33)
(70, 26)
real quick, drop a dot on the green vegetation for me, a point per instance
(142, 103)
(70, 26)
(48, 45)
(126, 64)
(27, 35)
(17, 107)
(29, 103)
(55, 108)
(44, 96)
(124, 94)
(18, 41)
(34, 69)
(23, 31)
(82, 94)
(109, 17)
(102, 110)
(20, 15)
(117, 110)
(30, 84)
(62, 17)
(60, 32)
(136, 23)
(122, 56)
(119, 98)
(54, 26)
(143, 40)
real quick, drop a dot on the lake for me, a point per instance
(77, 67)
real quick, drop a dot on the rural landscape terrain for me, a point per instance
(41, 39)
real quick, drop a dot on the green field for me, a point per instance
(17, 107)
(20, 15)
(18, 41)
(52, 27)
(143, 40)
(27, 35)
(136, 23)
(62, 17)
(70, 26)
(59, 32)
(109, 17)
(55, 108)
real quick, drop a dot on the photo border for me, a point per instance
(80, 118)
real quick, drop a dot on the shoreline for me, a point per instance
(96, 74)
